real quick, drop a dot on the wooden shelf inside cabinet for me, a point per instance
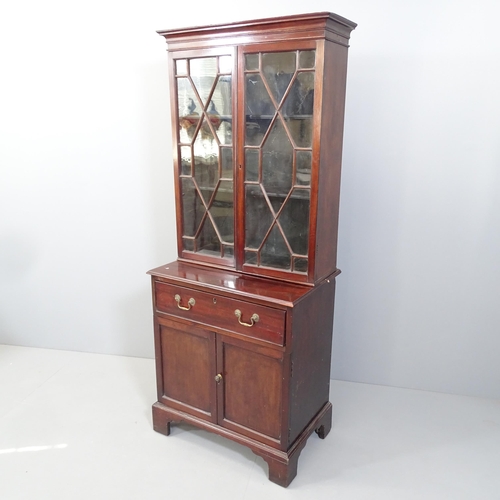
(243, 320)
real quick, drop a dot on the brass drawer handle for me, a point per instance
(191, 302)
(253, 319)
(218, 378)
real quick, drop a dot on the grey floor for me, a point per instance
(78, 426)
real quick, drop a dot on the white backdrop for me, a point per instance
(86, 188)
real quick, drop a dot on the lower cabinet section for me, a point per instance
(261, 380)
(220, 379)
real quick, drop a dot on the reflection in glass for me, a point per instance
(278, 68)
(188, 244)
(204, 100)
(227, 163)
(189, 110)
(220, 110)
(275, 253)
(258, 102)
(225, 64)
(203, 72)
(193, 209)
(277, 210)
(300, 265)
(185, 160)
(250, 257)
(294, 220)
(252, 165)
(258, 217)
(222, 211)
(307, 59)
(206, 161)
(181, 67)
(304, 163)
(298, 109)
(277, 161)
(207, 240)
(251, 62)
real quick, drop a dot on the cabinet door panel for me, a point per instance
(251, 390)
(188, 369)
(203, 88)
(279, 91)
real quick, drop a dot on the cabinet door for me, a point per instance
(278, 131)
(203, 128)
(186, 368)
(250, 392)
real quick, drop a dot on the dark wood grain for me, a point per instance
(219, 311)
(332, 126)
(188, 369)
(311, 325)
(328, 34)
(251, 390)
(265, 384)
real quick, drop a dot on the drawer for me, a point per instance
(260, 322)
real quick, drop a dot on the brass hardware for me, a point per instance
(218, 378)
(191, 302)
(214, 300)
(253, 319)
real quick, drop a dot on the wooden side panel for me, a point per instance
(188, 369)
(251, 390)
(332, 126)
(312, 324)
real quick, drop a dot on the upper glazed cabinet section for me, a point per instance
(257, 124)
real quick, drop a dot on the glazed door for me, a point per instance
(250, 389)
(277, 137)
(202, 102)
(186, 368)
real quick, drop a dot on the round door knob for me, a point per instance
(218, 378)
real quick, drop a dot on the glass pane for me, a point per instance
(189, 108)
(259, 110)
(251, 62)
(252, 165)
(206, 161)
(222, 211)
(204, 101)
(300, 265)
(304, 162)
(250, 257)
(226, 64)
(220, 110)
(185, 160)
(227, 162)
(257, 100)
(275, 253)
(307, 59)
(207, 241)
(279, 68)
(258, 217)
(277, 162)
(203, 72)
(188, 244)
(274, 158)
(294, 220)
(193, 209)
(298, 109)
(181, 67)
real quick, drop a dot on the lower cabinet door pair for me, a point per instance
(230, 382)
